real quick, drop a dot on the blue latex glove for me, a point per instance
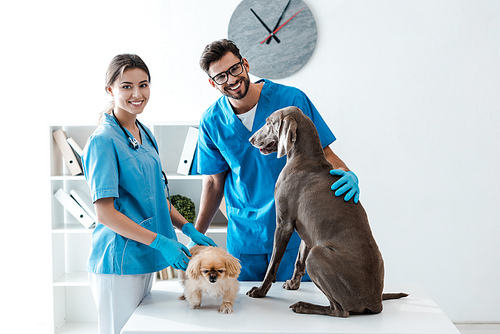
(173, 251)
(348, 183)
(197, 237)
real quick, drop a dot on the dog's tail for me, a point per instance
(387, 296)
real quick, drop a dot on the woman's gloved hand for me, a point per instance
(173, 251)
(196, 236)
(348, 183)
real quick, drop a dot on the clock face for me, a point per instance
(288, 50)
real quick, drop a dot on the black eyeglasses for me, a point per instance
(234, 70)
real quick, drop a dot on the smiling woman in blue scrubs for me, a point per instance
(134, 236)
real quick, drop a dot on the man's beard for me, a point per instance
(245, 82)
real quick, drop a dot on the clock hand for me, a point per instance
(281, 26)
(265, 26)
(279, 20)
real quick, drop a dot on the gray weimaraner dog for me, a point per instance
(338, 248)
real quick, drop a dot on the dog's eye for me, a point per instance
(220, 271)
(206, 271)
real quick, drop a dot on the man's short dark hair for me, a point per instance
(215, 51)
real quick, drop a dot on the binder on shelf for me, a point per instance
(188, 151)
(67, 152)
(77, 150)
(74, 208)
(167, 273)
(194, 165)
(84, 201)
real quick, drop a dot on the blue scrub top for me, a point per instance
(134, 179)
(249, 189)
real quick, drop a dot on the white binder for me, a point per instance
(76, 148)
(188, 151)
(67, 152)
(85, 202)
(74, 208)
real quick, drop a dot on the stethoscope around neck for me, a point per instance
(134, 144)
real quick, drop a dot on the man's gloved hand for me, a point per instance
(196, 236)
(173, 251)
(348, 183)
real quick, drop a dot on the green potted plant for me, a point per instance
(185, 206)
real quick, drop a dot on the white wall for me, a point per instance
(410, 88)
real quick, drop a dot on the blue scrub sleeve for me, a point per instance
(210, 160)
(100, 167)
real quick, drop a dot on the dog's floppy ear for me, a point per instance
(233, 266)
(287, 135)
(194, 266)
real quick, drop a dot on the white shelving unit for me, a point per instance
(73, 306)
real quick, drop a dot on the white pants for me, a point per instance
(117, 297)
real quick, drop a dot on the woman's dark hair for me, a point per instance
(117, 66)
(215, 51)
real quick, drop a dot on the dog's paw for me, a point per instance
(182, 297)
(308, 308)
(226, 308)
(296, 307)
(256, 292)
(291, 284)
(194, 306)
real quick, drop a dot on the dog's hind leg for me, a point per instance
(334, 309)
(308, 308)
(300, 268)
(322, 266)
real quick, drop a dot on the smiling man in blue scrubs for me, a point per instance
(233, 168)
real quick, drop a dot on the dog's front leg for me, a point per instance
(281, 237)
(226, 306)
(228, 298)
(194, 299)
(300, 268)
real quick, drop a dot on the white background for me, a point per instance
(411, 89)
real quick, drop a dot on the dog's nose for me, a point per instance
(212, 278)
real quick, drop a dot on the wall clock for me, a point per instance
(277, 37)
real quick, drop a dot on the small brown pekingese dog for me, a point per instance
(211, 272)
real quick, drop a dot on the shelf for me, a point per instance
(176, 176)
(78, 328)
(170, 176)
(77, 229)
(217, 228)
(67, 178)
(72, 279)
(72, 228)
